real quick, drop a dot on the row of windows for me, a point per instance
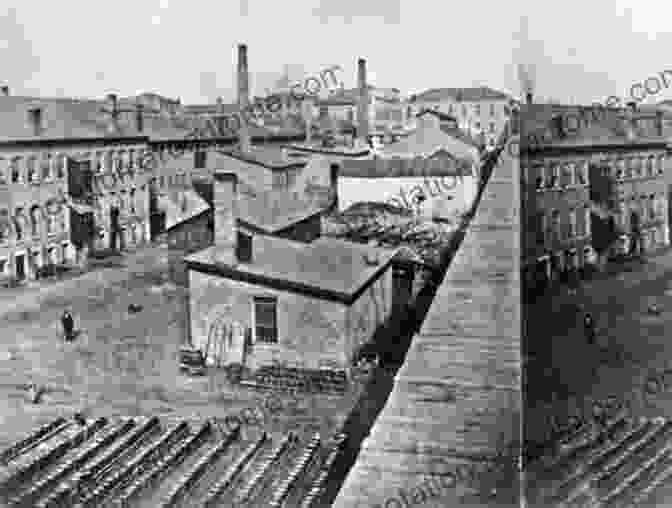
(170, 180)
(452, 109)
(47, 167)
(638, 167)
(649, 208)
(31, 225)
(551, 226)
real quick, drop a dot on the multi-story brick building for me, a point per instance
(479, 110)
(40, 139)
(573, 178)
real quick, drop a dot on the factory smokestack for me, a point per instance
(243, 98)
(363, 104)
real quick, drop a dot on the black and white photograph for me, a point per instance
(335, 253)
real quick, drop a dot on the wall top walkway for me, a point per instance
(457, 398)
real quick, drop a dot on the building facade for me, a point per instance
(479, 111)
(598, 188)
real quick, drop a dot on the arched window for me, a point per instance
(59, 165)
(31, 168)
(19, 223)
(35, 219)
(45, 166)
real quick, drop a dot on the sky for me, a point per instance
(581, 52)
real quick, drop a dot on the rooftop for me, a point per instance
(473, 94)
(272, 213)
(328, 268)
(358, 150)
(181, 205)
(268, 157)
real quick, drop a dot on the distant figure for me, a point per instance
(589, 326)
(68, 325)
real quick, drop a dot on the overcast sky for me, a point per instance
(582, 50)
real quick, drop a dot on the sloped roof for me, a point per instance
(273, 211)
(181, 205)
(473, 94)
(326, 268)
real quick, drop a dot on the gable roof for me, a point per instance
(272, 211)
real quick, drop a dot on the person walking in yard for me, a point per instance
(68, 324)
(589, 326)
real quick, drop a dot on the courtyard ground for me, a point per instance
(122, 364)
(564, 374)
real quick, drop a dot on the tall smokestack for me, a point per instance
(363, 104)
(243, 98)
(225, 197)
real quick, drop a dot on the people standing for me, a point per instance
(589, 327)
(68, 324)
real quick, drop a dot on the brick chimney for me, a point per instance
(363, 103)
(35, 119)
(225, 203)
(5, 90)
(243, 98)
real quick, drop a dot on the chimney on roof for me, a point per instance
(628, 123)
(528, 98)
(220, 105)
(243, 246)
(5, 91)
(307, 112)
(243, 98)
(113, 126)
(363, 103)
(35, 119)
(139, 117)
(225, 205)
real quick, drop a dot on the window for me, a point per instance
(572, 231)
(279, 179)
(200, 159)
(451, 109)
(265, 319)
(131, 159)
(581, 173)
(4, 170)
(5, 227)
(45, 165)
(652, 207)
(650, 169)
(567, 175)
(555, 176)
(492, 110)
(492, 126)
(132, 200)
(541, 177)
(108, 161)
(478, 125)
(119, 162)
(35, 221)
(464, 110)
(620, 169)
(99, 162)
(14, 170)
(19, 220)
(477, 110)
(586, 212)
(59, 166)
(542, 226)
(162, 181)
(32, 169)
(660, 168)
(555, 224)
(61, 219)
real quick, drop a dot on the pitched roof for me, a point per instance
(274, 211)
(181, 205)
(473, 94)
(326, 268)
(268, 157)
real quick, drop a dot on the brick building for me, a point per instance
(582, 172)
